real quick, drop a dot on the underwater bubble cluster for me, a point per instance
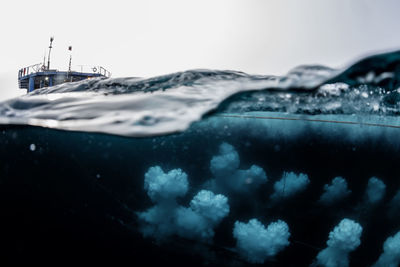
(335, 192)
(289, 185)
(376, 190)
(391, 252)
(228, 176)
(255, 242)
(344, 238)
(167, 218)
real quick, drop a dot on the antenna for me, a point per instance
(70, 57)
(44, 61)
(50, 47)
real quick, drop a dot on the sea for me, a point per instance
(206, 168)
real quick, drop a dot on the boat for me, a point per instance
(41, 75)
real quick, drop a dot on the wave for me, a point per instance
(138, 107)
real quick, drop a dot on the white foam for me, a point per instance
(289, 185)
(376, 190)
(255, 243)
(391, 252)
(335, 192)
(344, 238)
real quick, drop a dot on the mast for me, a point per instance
(50, 47)
(70, 57)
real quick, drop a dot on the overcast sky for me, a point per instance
(152, 37)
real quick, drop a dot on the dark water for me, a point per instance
(85, 197)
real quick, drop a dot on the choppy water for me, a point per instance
(170, 103)
(230, 169)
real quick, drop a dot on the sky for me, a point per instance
(154, 37)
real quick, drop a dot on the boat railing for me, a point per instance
(82, 69)
(31, 69)
(93, 69)
(104, 72)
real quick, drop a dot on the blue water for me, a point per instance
(206, 167)
(155, 106)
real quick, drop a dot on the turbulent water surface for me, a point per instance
(170, 103)
(206, 168)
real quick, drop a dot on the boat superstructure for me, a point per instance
(41, 75)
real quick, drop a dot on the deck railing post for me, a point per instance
(31, 84)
